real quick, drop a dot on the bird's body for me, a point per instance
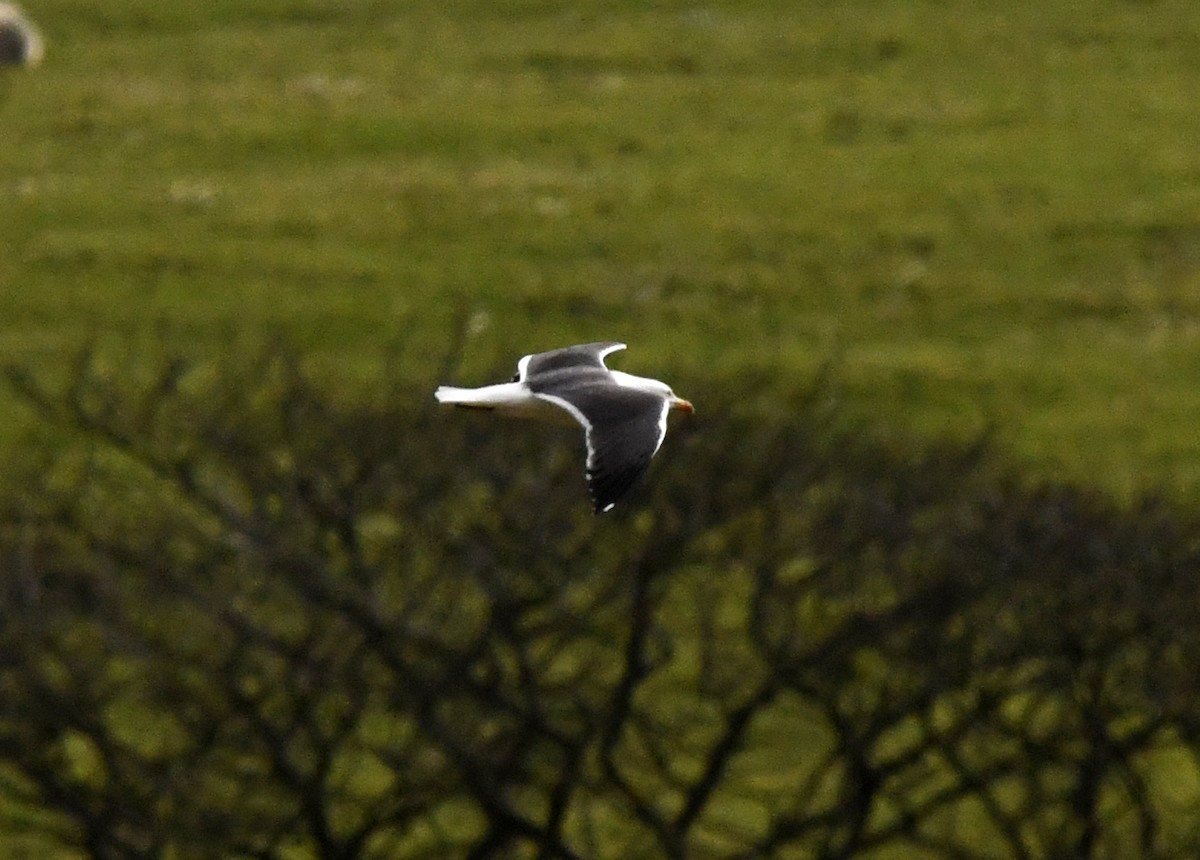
(20, 42)
(624, 417)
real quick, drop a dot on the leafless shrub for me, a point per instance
(242, 618)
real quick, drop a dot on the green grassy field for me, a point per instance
(981, 214)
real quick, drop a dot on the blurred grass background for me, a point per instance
(979, 214)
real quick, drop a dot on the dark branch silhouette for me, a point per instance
(242, 618)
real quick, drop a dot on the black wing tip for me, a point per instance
(604, 504)
(607, 488)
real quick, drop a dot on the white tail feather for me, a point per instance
(504, 394)
(507, 398)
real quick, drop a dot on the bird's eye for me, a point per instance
(517, 376)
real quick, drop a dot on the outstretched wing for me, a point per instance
(584, 355)
(623, 427)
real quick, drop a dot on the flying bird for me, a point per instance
(624, 417)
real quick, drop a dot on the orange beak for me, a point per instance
(682, 405)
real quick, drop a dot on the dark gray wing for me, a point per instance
(623, 427)
(585, 355)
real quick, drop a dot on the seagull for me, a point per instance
(20, 42)
(624, 417)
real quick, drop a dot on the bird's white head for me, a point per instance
(654, 386)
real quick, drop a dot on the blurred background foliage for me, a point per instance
(244, 620)
(917, 581)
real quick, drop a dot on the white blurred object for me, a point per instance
(20, 41)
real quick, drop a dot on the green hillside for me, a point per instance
(269, 602)
(983, 214)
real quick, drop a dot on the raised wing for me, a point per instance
(583, 355)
